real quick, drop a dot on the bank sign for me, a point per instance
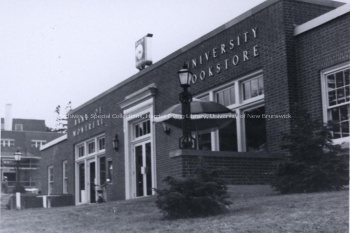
(229, 47)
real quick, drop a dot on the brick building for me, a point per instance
(278, 58)
(25, 136)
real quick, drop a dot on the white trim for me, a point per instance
(53, 142)
(324, 92)
(322, 19)
(64, 178)
(140, 109)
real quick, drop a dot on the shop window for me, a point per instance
(65, 176)
(81, 182)
(337, 98)
(101, 143)
(239, 95)
(91, 147)
(255, 129)
(110, 170)
(226, 97)
(253, 87)
(50, 180)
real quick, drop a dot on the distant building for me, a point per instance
(25, 136)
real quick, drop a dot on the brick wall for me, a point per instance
(238, 168)
(54, 156)
(323, 47)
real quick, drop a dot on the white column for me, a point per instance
(18, 200)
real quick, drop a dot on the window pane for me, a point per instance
(228, 137)
(331, 98)
(340, 95)
(347, 93)
(255, 87)
(261, 85)
(339, 79)
(331, 82)
(246, 91)
(227, 98)
(347, 76)
(255, 130)
(101, 143)
(204, 141)
(232, 94)
(220, 98)
(344, 115)
(334, 114)
(91, 147)
(345, 129)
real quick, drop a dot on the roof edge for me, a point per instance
(53, 142)
(322, 19)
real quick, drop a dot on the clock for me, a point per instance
(139, 51)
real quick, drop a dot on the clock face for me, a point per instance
(139, 51)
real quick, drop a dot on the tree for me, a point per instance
(202, 194)
(62, 121)
(315, 164)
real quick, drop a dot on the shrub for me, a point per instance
(315, 164)
(202, 194)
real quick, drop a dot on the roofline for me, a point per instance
(53, 142)
(322, 19)
(187, 47)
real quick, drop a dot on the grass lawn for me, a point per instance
(319, 212)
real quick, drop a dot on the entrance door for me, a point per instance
(91, 182)
(143, 169)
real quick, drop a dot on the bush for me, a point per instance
(203, 194)
(315, 164)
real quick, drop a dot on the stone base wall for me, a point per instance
(238, 167)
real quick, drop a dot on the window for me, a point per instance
(91, 147)
(50, 179)
(7, 142)
(226, 97)
(253, 87)
(81, 151)
(38, 143)
(336, 94)
(65, 176)
(243, 96)
(18, 127)
(101, 143)
(110, 170)
(142, 128)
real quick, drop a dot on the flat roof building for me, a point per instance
(266, 65)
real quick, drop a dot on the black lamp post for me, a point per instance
(18, 156)
(186, 141)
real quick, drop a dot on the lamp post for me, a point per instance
(18, 156)
(186, 141)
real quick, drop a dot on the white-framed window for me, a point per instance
(38, 143)
(142, 128)
(7, 142)
(245, 97)
(91, 147)
(50, 180)
(65, 176)
(336, 100)
(101, 143)
(18, 127)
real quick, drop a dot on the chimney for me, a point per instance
(8, 117)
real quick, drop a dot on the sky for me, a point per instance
(53, 52)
